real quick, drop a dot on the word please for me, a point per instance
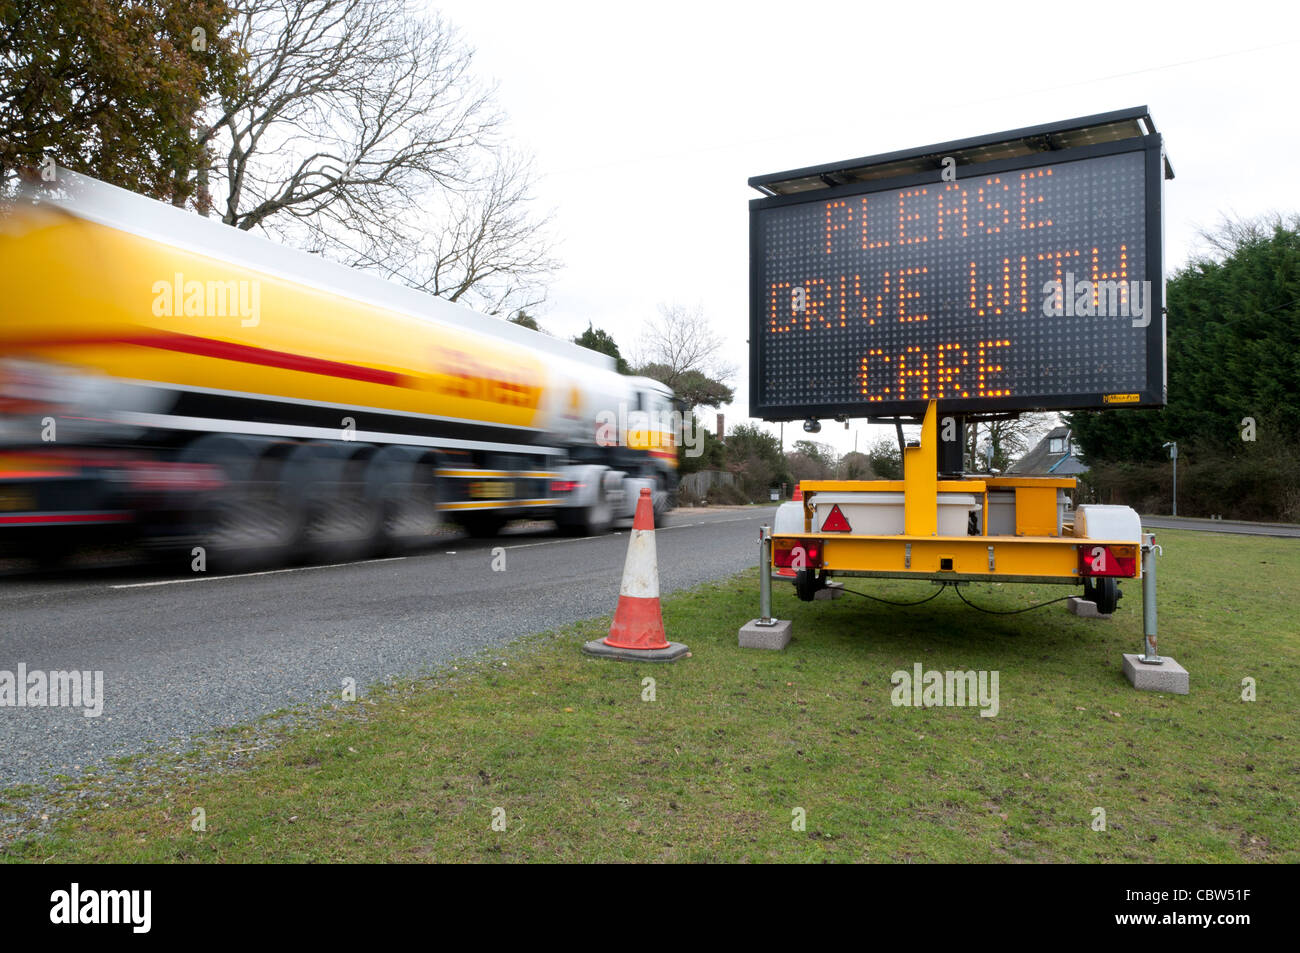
(955, 210)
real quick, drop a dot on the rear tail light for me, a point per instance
(790, 553)
(565, 486)
(35, 386)
(1108, 561)
(35, 466)
(148, 476)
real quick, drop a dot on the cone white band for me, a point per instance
(641, 571)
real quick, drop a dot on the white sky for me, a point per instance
(647, 120)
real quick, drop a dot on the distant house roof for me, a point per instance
(1041, 461)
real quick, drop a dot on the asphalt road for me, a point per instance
(1291, 530)
(181, 656)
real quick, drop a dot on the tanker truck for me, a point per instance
(171, 380)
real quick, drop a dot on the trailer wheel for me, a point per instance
(1104, 591)
(807, 582)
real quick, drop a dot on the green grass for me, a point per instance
(585, 770)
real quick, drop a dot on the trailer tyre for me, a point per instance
(1104, 591)
(807, 582)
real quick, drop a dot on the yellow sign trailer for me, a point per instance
(1012, 272)
(1043, 549)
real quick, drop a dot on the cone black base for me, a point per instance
(598, 648)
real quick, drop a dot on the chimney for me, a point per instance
(722, 426)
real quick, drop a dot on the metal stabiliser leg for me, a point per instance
(1150, 671)
(765, 576)
(1149, 552)
(765, 632)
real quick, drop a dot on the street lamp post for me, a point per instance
(1173, 455)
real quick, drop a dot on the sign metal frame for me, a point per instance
(1156, 170)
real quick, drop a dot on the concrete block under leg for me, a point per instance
(833, 590)
(1084, 608)
(755, 636)
(1168, 676)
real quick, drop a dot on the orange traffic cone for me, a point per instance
(798, 493)
(638, 630)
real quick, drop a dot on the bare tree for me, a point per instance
(1233, 231)
(481, 244)
(360, 132)
(680, 342)
(1005, 441)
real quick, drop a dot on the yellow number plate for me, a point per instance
(14, 501)
(495, 490)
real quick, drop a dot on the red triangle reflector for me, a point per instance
(835, 522)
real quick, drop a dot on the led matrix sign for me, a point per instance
(1007, 285)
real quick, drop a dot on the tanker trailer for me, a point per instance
(171, 379)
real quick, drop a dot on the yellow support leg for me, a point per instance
(921, 479)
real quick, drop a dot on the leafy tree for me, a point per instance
(856, 466)
(822, 453)
(526, 320)
(803, 467)
(1233, 353)
(598, 340)
(713, 452)
(754, 455)
(810, 460)
(695, 388)
(886, 459)
(112, 90)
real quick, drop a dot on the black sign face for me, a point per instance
(1008, 290)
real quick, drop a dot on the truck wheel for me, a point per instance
(51, 555)
(250, 523)
(1104, 591)
(340, 520)
(403, 482)
(409, 516)
(593, 520)
(663, 500)
(482, 525)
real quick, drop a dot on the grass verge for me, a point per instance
(567, 753)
